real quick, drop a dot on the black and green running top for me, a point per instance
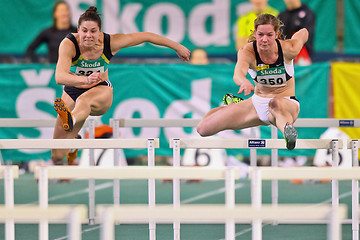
(83, 67)
(272, 75)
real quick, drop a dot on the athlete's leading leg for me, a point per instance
(57, 155)
(234, 116)
(95, 101)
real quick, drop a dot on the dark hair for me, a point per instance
(264, 19)
(54, 10)
(91, 14)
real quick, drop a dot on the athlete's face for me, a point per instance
(265, 36)
(89, 33)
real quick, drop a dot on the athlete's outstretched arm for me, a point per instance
(119, 41)
(241, 69)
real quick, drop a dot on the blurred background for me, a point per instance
(151, 82)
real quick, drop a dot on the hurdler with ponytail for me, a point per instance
(82, 68)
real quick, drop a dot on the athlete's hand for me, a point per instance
(95, 78)
(183, 53)
(246, 87)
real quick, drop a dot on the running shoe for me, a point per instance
(290, 135)
(230, 98)
(72, 154)
(64, 113)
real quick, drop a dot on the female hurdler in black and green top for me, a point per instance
(82, 69)
(269, 61)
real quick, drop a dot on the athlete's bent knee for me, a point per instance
(275, 103)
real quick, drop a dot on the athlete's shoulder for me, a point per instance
(247, 52)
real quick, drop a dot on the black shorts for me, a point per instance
(294, 98)
(75, 92)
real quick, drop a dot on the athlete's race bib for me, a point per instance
(271, 77)
(88, 71)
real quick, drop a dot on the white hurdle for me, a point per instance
(354, 146)
(258, 174)
(177, 144)
(73, 215)
(308, 123)
(301, 122)
(73, 143)
(217, 214)
(189, 122)
(8, 173)
(31, 123)
(133, 172)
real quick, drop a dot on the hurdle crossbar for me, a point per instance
(22, 122)
(75, 143)
(13, 168)
(29, 122)
(189, 122)
(53, 213)
(73, 215)
(217, 213)
(134, 172)
(220, 143)
(315, 173)
(326, 122)
(161, 122)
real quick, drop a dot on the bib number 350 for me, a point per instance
(272, 81)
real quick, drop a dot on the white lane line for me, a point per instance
(205, 195)
(74, 193)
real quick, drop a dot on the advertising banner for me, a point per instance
(208, 24)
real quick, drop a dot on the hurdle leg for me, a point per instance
(116, 187)
(253, 155)
(256, 201)
(9, 201)
(74, 225)
(274, 163)
(334, 225)
(355, 192)
(1, 159)
(107, 225)
(176, 186)
(43, 201)
(91, 181)
(335, 183)
(151, 186)
(230, 202)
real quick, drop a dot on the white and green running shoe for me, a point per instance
(230, 98)
(290, 135)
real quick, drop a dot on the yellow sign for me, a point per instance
(346, 84)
